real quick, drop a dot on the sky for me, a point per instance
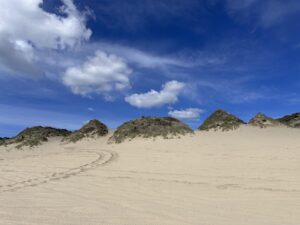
(64, 62)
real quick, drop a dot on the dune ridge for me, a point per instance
(147, 127)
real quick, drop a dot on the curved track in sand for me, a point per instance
(103, 157)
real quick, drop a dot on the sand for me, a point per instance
(250, 176)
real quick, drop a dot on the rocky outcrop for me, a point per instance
(92, 129)
(221, 120)
(149, 127)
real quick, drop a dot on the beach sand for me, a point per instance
(249, 176)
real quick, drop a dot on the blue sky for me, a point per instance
(64, 62)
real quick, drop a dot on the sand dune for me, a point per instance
(248, 176)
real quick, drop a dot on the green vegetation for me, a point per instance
(263, 121)
(291, 120)
(148, 127)
(34, 136)
(2, 140)
(221, 120)
(93, 128)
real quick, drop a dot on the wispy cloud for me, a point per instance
(141, 58)
(132, 14)
(266, 13)
(226, 89)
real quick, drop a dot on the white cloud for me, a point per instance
(144, 59)
(101, 74)
(26, 27)
(17, 58)
(187, 114)
(168, 95)
(47, 30)
(91, 109)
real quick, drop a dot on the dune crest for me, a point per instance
(263, 121)
(291, 120)
(221, 120)
(34, 136)
(149, 127)
(93, 129)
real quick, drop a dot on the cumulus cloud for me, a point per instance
(47, 30)
(26, 27)
(186, 114)
(101, 74)
(168, 95)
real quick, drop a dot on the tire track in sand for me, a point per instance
(103, 158)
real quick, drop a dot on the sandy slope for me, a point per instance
(250, 176)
